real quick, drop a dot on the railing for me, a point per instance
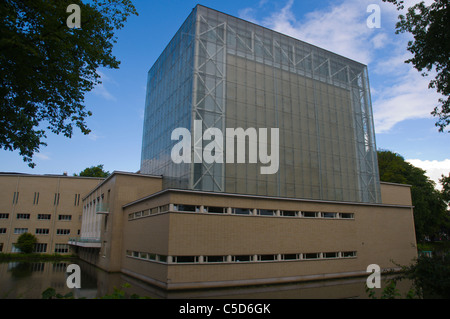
(85, 241)
(102, 208)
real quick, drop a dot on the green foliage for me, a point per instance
(50, 293)
(431, 275)
(94, 171)
(445, 182)
(47, 67)
(389, 292)
(26, 243)
(120, 294)
(430, 48)
(430, 216)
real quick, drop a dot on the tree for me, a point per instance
(94, 171)
(445, 182)
(26, 243)
(430, 216)
(46, 67)
(431, 48)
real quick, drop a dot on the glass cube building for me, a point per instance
(230, 73)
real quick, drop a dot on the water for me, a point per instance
(24, 280)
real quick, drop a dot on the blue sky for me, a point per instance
(401, 99)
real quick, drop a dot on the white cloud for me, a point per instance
(42, 156)
(434, 169)
(101, 90)
(92, 136)
(341, 27)
(409, 98)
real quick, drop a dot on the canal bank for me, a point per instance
(27, 280)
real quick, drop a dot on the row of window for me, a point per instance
(38, 231)
(39, 216)
(147, 212)
(239, 211)
(239, 258)
(56, 197)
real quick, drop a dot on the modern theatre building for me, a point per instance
(277, 180)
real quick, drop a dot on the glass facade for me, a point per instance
(230, 73)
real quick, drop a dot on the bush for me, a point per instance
(26, 243)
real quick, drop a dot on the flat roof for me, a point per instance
(282, 34)
(47, 175)
(119, 173)
(174, 190)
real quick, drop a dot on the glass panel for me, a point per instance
(238, 74)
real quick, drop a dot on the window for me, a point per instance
(40, 248)
(215, 210)
(185, 259)
(242, 258)
(76, 201)
(330, 255)
(64, 217)
(242, 211)
(2, 230)
(42, 231)
(20, 230)
(4, 216)
(15, 197)
(329, 215)
(143, 255)
(290, 256)
(267, 257)
(56, 199)
(311, 256)
(186, 208)
(347, 254)
(288, 213)
(61, 248)
(62, 231)
(215, 259)
(266, 212)
(309, 214)
(36, 198)
(44, 216)
(346, 215)
(23, 216)
(164, 208)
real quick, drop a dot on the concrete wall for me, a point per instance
(42, 194)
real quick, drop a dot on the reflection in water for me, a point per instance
(29, 280)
